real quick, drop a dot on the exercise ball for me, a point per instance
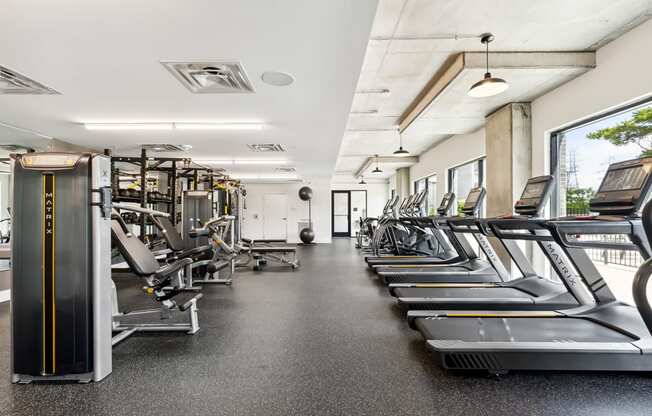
(307, 235)
(305, 193)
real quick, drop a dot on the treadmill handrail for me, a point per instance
(500, 227)
(562, 229)
(464, 224)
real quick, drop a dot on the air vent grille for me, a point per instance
(285, 170)
(471, 361)
(165, 147)
(266, 148)
(12, 82)
(211, 77)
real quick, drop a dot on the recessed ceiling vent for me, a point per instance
(215, 77)
(266, 148)
(164, 147)
(12, 82)
(285, 170)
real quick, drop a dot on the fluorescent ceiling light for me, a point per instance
(383, 91)
(242, 162)
(371, 111)
(128, 126)
(247, 176)
(219, 126)
(260, 162)
(175, 126)
(214, 162)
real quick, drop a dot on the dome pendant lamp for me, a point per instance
(362, 182)
(377, 170)
(489, 86)
(401, 152)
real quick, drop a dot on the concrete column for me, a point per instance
(403, 188)
(509, 160)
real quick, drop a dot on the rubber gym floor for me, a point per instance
(326, 339)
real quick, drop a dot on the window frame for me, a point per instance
(555, 143)
(426, 182)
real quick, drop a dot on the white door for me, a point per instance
(275, 216)
(341, 214)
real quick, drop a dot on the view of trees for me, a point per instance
(577, 200)
(636, 130)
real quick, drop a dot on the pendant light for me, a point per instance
(362, 182)
(401, 152)
(377, 170)
(489, 86)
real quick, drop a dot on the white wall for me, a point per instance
(377, 195)
(623, 74)
(452, 152)
(297, 210)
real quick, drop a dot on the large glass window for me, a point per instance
(461, 179)
(580, 156)
(430, 185)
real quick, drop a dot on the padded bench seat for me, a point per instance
(273, 249)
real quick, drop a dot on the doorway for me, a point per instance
(341, 206)
(275, 216)
(347, 208)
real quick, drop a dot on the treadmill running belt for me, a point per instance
(469, 293)
(517, 329)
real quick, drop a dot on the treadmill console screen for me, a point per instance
(534, 196)
(624, 188)
(533, 190)
(623, 179)
(445, 201)
(445, 204)
(472, 199)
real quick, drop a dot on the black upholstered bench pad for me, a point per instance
(273, 249)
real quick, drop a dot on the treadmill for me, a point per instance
(530, 291)
(469, 269)
(448, 254)
(603, 334)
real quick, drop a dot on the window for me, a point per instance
(579, 158)
(431, 199)
(461, 179)
(430, 185)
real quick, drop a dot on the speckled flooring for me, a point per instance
(324, 340)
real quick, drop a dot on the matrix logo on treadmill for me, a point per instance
(560, 263)
(487, 248)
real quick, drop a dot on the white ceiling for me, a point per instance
(104, 57)
(411, 40)
(9, 135)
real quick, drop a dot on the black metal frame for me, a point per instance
(154, 164)
(340, 234)
(426, 207)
